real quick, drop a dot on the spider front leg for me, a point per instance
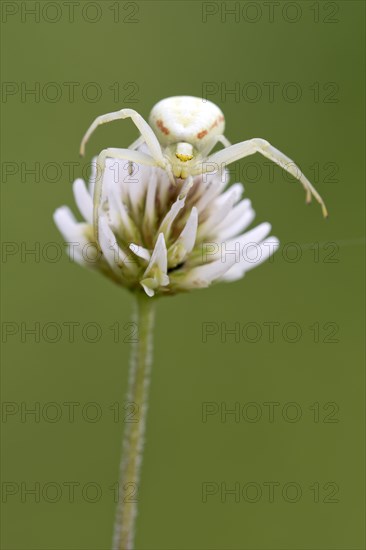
(122, 154)
(137, 143)
(141, 124)
(146, 132)
(187, 185)
(258, 145)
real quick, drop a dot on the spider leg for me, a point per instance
(222, 139)
(217, 139)
(123, 154)
(141, 124)
(137, 143)
(186, 187)
(258, 145)
(145, 130)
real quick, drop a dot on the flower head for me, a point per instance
(164, 238)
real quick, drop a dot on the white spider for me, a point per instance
(182, 132)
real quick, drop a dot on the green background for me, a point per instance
(169, 50)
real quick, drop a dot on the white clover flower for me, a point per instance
(158, 220)
(162, 237)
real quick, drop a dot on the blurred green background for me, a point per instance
(137, 53)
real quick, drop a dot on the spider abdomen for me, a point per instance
(186, 119)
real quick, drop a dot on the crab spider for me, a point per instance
(181, 133)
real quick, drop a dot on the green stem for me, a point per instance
(133, 438)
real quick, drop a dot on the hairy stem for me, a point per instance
(133, 438)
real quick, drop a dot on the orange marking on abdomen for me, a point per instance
(216, 123)
(164, 129)
(202, 134)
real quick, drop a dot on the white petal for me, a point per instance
(120, 218)
(210, 189)
(266, 249)
(83, 200)
(163, 188)
(150, 212)
(155, 275)
(166, 224)
(234, 193)
(66, 223)
(118, 180)
(140, 251)
(149, 291)
(113, 254)
(115, 177)
(220, 209)
(234, 274)
(159, 257)
(240, 217)
(136, 185)
(255, 235)
(237, 247)
(179, 250)
(76, 235)
(188, 236)
(202, 276)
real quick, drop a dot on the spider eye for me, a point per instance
(184, 151)
(183, 158)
